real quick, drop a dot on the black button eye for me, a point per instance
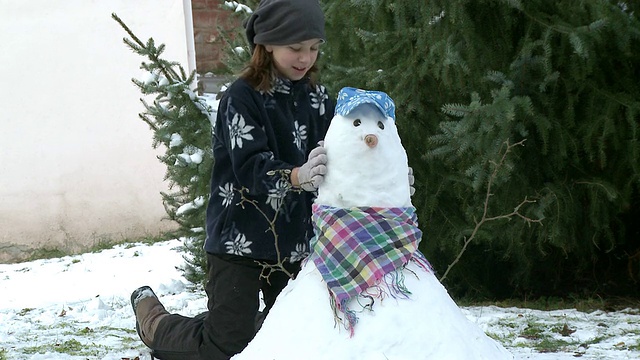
(380, 125)
(357, 122)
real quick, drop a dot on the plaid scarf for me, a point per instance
(356, 248)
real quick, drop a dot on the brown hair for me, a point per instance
(261, 71)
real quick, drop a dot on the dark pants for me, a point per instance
(233, 318)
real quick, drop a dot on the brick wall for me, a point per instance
(207, 17)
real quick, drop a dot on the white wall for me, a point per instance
(76, 162)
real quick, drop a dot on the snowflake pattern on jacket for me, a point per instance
(258, 138)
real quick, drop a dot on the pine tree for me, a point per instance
(471, 78)
(237, 49)
(181, 124)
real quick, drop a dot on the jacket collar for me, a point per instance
(285, 86)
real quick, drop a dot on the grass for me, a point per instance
(3, 354)
(584, 304)
(77, 339)
(533, 331)
(100, 245)
(87, 331)
(69, 347)
(542, 337)
(25, 311)
(46, 253)
(549, 344)
(635, 347)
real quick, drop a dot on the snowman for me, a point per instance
(365, 291)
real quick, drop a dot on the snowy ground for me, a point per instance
(77, 307)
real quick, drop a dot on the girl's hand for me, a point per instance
(311, 174)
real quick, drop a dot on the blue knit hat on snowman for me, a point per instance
(349, 98)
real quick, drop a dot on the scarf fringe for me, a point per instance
(392, 284)
(419, 259)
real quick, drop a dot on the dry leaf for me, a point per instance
(566, 331)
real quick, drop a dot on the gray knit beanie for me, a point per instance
(284, 22)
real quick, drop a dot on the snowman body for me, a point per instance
(367, 167)
(427, 326)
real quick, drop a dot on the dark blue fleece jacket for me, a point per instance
(257, 139)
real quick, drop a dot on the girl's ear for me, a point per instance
(269, 48)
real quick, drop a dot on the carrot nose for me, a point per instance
(371, 140)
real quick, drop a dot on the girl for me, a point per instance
(267, 168)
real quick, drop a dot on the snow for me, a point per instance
(176, 140)
(195, 204)
(46, 304)
(238, 7)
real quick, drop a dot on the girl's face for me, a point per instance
(294, 60)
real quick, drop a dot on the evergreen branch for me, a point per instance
(126, 28)
(561, 29)
(149, 122)
(145, 117)
(617, 98)
(611, 193)
(458, 110)
(485, 218)
(515, 4)
(152, 55)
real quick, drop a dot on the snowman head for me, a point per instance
(363, 118)
(367, 164)
(365, 130)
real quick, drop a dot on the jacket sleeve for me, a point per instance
(240, 128)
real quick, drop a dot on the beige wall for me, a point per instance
(76, 163)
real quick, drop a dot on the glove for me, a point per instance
(412, 190)
(311, 174)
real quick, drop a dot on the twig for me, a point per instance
(485, 218)
(279, 265)
(168, 73)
